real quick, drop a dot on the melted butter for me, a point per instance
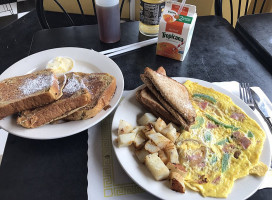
(61, 65)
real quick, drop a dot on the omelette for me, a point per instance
(223, 145)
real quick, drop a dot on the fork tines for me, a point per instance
(245, 94)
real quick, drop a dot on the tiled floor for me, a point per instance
(12, 11)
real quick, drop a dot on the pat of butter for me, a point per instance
(61, 65)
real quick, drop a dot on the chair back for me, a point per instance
(64, 18)
(241, 10)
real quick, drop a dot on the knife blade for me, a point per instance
(262, 104)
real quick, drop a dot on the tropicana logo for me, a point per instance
(171, 36)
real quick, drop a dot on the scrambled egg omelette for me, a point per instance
(223, 145)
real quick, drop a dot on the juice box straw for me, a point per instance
(181, 6)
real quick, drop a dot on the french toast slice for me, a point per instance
(62, 82)
(75, 96)
(102, 87)
(27, 92)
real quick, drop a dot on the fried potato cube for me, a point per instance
(176, 182)
(260, 169)
(126, 139)
(172, 153)
(124, 127)
(178, 168)
(152, 131)
(148, 129)
(141, 154)
(178, 128)
(159, 125)
(167, 129)
(151, 147)
(146, 118)
(160, 140)
(156, 167)
(140, 128)
(163, 156)
(170, 132)
(139, 140)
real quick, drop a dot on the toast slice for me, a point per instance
(150, 102)
(102, 87)
(161, 71)
(75, 96)
(27, 92)
(172, 95)
(62, 82)
(165, 104)
(177, 96)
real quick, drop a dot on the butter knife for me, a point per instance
(263, 105)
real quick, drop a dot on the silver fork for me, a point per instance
(246, 96)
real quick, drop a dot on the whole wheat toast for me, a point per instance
(75, 96)
(165, 104)
(174, 93)
(102, 87)
(27, 92)
(150, 102)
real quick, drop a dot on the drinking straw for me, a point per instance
(181, 6)
(130, 47)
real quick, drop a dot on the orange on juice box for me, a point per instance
(176, 31)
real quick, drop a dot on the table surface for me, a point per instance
(256, 30)
(56, 169)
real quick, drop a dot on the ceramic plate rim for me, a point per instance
(146, 181)
(101, 63)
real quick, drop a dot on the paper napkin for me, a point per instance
(106, 177)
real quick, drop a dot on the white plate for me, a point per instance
(130, 110)
(86, 60)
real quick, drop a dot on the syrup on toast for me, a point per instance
(75, 96)
(27, 92)
(102, 87)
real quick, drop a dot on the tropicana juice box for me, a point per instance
(176, 31)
